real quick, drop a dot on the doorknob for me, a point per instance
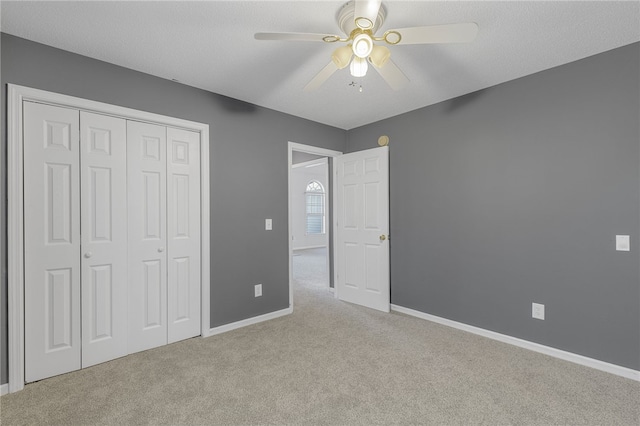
(160, 249)
(88, 254)
(383, 237)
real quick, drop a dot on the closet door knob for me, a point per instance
(88, 254)
(160, 249)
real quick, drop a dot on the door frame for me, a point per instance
(293, 146)
(16, 95)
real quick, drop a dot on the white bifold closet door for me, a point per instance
(183, 229)
(51, 241)
(164, 258)
(103, 218)
(147, 173)
(111, 237)
(75, 183)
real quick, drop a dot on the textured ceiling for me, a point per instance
(210, 45)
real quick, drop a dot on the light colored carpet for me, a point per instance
(310, 268)
(331, 363)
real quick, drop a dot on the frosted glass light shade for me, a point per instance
(359, 67)
(380, 56)
(341, 56)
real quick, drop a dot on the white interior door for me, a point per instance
(147, 205)
(363, 228)
(183, 217)
(51, 240)
(103, 150)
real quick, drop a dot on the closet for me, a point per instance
(112, 246)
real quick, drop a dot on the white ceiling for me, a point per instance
(210, 45)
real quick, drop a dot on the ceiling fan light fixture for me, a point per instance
(360, 20)
(359, 67)
(362, 45)
(341, 56)
(379, 56)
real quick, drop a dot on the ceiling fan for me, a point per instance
(359, 20)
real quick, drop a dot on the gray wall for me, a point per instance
(248, 168)
(514, 195)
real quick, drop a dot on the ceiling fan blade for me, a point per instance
(367, 9)
(394, 77)
(321, 77)
(449, 33)
(292, 36)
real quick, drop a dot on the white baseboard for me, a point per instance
(4, 389)
(536, 347)
(245, 322)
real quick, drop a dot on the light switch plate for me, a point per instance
(623, 243)
(257, 290)
(268, 224)
(537, 311)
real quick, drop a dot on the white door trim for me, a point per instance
(15, 224)
(293, 146)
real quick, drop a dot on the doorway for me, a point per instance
(310, 213)
(311, 225)
(358, 253)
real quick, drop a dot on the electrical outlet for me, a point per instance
(257, 289)
(537, 311)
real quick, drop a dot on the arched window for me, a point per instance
(314, 201)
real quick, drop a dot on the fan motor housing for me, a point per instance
(346, 18)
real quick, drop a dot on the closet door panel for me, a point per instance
(103, 142)
(147, 205)
(51, 240)
(183, 216)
